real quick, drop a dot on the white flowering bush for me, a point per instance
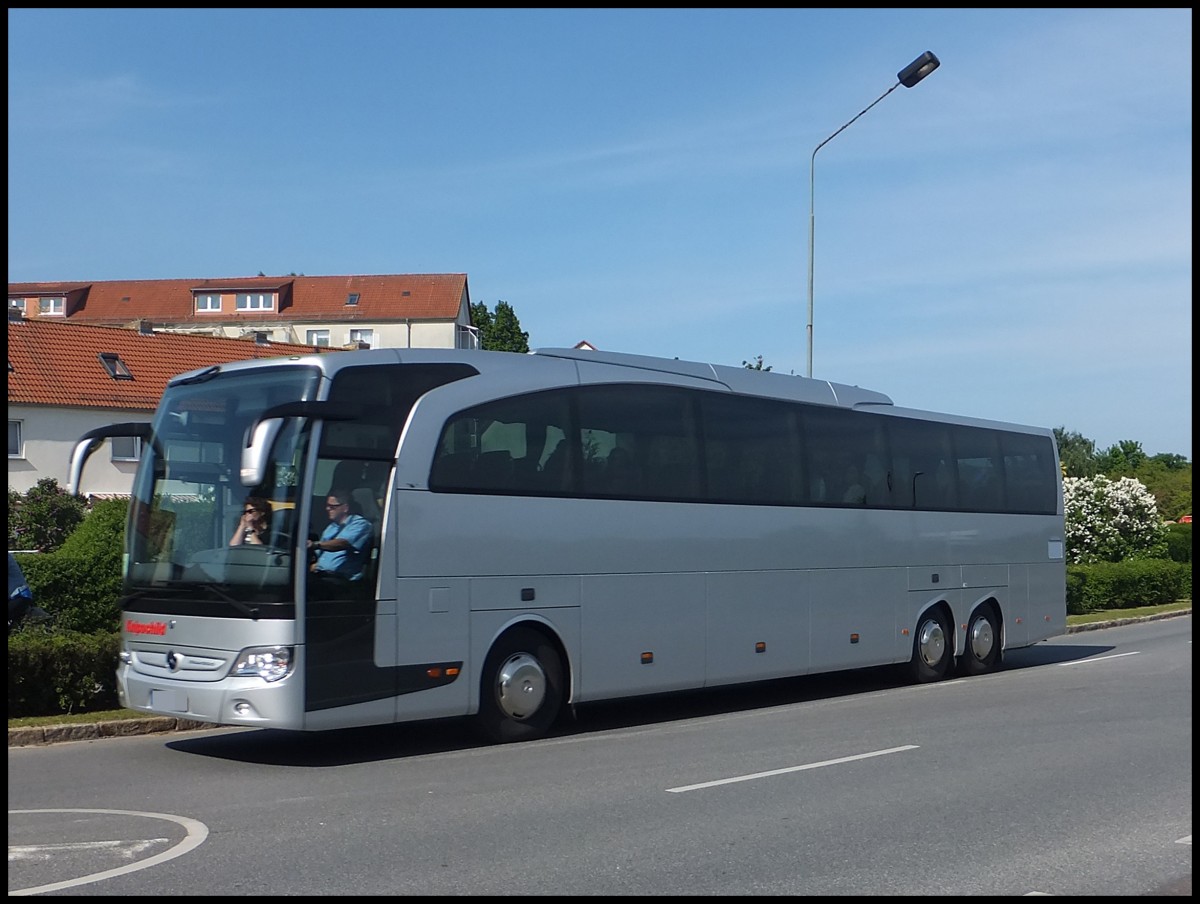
(1111, 520)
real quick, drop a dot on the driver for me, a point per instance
(342, 547)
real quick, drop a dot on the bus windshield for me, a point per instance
(196, 534)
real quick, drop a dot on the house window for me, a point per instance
(16, 304)
(52, 306)
(352, 299)
(114, 366)
(255, 301)
(208, 302)
(365, 337)
(316, 337)
(126, 448)
(14, 439)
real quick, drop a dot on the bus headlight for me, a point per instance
(268, 663)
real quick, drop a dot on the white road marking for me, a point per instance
(127, 849)
(197, 832)
(757, 775)
(1098, 659)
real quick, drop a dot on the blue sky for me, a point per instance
(1009, 239)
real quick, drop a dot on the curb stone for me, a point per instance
(1113, 623)
(41, 735)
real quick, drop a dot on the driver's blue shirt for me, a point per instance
(347, 563)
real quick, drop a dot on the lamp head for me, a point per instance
(918, 69)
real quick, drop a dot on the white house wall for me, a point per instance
(48, 438)
(387, 334)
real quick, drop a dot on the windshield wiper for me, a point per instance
(252, 611)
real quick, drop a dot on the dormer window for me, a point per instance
(16, 304)
(255, 301)
(52, 306)
(114, 366)
(208, 302)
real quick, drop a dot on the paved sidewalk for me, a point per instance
(40, 735)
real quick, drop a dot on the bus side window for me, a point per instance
(452, 470)
(875, 480)
(494, 471)
(554, 476)
(622, 473)
(902, 483)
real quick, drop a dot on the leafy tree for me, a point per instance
(44, 517)
(1170, 461)
(755, 364)
(500, 331)
(1171, 486)
(1111, 520)
(1167, 476)
(1076, 452)
(1122, 460)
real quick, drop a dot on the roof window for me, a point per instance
(116, 368)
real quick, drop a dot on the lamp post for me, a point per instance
(908, 76)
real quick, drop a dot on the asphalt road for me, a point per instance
(1067, 773)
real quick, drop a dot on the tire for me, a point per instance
(521, 689)
(933, 648)
(982, 650)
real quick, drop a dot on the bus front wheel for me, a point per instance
(932, 648)
(522, 687)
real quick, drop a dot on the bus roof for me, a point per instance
(593, 366)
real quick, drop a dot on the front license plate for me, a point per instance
(171, 701)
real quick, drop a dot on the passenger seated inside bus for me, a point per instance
(254, 525)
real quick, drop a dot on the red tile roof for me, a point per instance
(57, 363)
(311, 298)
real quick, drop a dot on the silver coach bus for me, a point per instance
(563, 527)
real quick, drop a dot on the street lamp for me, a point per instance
(908, 76)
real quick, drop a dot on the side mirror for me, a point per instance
(262, 434)
(257, 453)
(93, 440)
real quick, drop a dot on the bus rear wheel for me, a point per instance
(982, 652)
(522, 687)
(932, 648)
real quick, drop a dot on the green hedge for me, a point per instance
(1179, 542)
(79, 584)
(57, 672)
(1126, 585)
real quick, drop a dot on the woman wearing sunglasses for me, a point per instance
(254, 527)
